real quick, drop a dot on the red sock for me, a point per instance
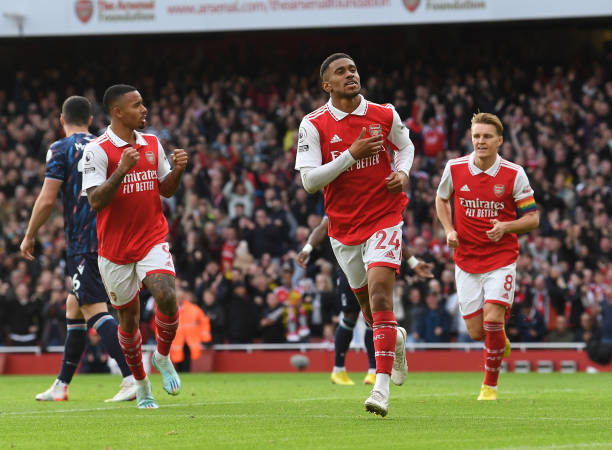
(368, 321)
(385, 332)
(165, 330)
(131, 347)
(495, 341)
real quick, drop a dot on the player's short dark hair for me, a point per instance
(489, 119)
(76, 110)
(113, 94)
(330, 59)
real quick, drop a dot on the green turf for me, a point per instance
(432, 410)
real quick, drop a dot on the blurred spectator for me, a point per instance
(561, 333)
(605, 311)
(216, 315)
(23, 317)
(585, 331)
(238, 191)
(414, 308)
(434, 324)
(240, 312)
(325, 308)
(95, 358)
(272, 324)
(193, 331)
(526, 323)
(54, 319)
(297, 310)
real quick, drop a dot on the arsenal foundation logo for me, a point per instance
(411, 5)
(84, 10)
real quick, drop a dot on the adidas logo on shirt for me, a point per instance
(465, 188)
(335, 139)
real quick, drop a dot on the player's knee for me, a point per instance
(380, 298)
(476, 335)
(166, 302)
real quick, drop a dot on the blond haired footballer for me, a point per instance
(493, 202)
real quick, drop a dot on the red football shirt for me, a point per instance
(479, 197)
(357, 201)
(133, 222)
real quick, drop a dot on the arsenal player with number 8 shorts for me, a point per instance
(488, 195)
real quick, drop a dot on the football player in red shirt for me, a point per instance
(343, 149)
(487, 192)
(124, 174)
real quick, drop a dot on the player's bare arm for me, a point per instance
(42, 210)
(528, 222)
(171, 183)
(443, 210)
(100, 196)
(316, 237)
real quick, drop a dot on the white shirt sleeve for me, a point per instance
(315, 178)
(95, 165)
(309, 147)
(399, 136)
(446, 189)
(522, 188)
(163, 165)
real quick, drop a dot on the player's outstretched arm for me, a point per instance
(421, 268)
(316, 237)
(443, 210)
(42, 210)
(528, 222)
(171, 183)
(99, 197)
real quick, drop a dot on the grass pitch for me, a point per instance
(432, 410)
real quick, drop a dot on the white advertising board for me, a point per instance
(90, 17)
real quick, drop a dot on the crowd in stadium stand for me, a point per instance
(241, 214)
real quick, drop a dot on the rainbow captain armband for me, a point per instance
(526, 205)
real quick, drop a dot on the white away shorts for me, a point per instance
(383, 248)
(476, 289)
(123, 281)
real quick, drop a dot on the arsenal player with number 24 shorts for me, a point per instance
(487, 193)
(343, 149)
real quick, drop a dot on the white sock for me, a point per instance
(372, 370)
(160, 357)
(339, 369)
(142, 382)
(59, 383)
(382, 383)
(129, 379)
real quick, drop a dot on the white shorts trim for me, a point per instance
(123, 281)
(474, 289)
(383, 248)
